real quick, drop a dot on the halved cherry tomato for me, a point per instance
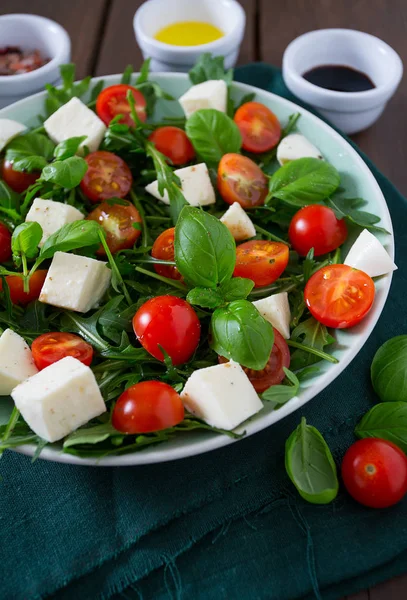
(5, 243)
(171, 323)
(273, 373)
(108, 176)
(48, 348)
(118, 220)
(19, 181)
(147, 406)
(241, 180)
(173, 143)
(261, 261)
(316, 226)
(112, 101)
(163, 248)
(339, 296)
(259, 127)
(16, 287)
(374, 472)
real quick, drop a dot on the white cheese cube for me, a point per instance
(367, 254)
(238, 222)
(52, 216)
(296, 146)
(196, 186)
(16, 361)
(59, 399)
(9, 129)
(75, 282)
(209, 94)
(221, 395)
(276, 310)
(75, 119)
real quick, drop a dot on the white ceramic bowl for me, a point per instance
(153, 15)
(357, 180)
(32, 32)
(349, 111)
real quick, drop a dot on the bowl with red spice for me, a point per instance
(31, 50)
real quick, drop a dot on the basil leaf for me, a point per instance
(310, 465)
(348, 208)
(280, 394)
(313, 334)
(388, 370)
(8, 197)
(387, 421)
(236, 288)
(205, 251)
(304, 181)
(239, 332)
(68, 147)
(30, 152)
(205, 297)
(72, 236)
(25, 240)
(90, 435)
(213, 134)
(210, 67)
(67, 173)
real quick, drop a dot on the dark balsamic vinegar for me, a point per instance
(339, 78)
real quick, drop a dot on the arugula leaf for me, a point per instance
(308, 265)
(213, 134)
(58, 96)
(280, 394)
(25, 240)
(239, 332)
(117, 279)
(205, 297)
(348, 208)
(66, 173)
(144, 72)
(205, 251)
(72, 236)
(9, 202)
(304, 181)
(309, 333)
(237, 288)
(246, 98)
(30, 152)
(90, 435)
(97, 88)
(68, 147)
(210, 67)
(127, 73)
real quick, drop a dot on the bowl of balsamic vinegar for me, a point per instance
(347, 75)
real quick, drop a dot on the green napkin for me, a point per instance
(223, 525)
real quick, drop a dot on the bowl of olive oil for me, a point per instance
(175, 32)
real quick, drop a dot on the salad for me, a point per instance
(163, 277)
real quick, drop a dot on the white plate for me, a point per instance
(357, 180)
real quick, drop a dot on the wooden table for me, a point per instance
(103, 42)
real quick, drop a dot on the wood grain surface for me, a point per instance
(103, 42)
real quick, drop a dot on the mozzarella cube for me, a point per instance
(296, 146)
(238, 222)
(196, 186)
(276, 310)
(59, 399)
(221, 395)
(367, 254)
(209, 94)
(9, 129)
(75, 119)
(16, 361)
(75, 282)
(52, 216)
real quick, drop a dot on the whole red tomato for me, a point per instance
(316, 226)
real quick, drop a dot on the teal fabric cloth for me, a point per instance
(224, 525)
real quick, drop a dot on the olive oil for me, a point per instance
(188, 33)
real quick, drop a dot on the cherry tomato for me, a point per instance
(273, 372)
(19, 181)
(173, 143)
(147, 406)
(17, 293)
(374, 472)
(5, 243)
(112, 101)
(170, 322)
(259, 127)
(261, 261)
(163, 248)
(339, 296)
(118, 222)
(317, 227)
(241, 180)
(108, 176)
(48, 348)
